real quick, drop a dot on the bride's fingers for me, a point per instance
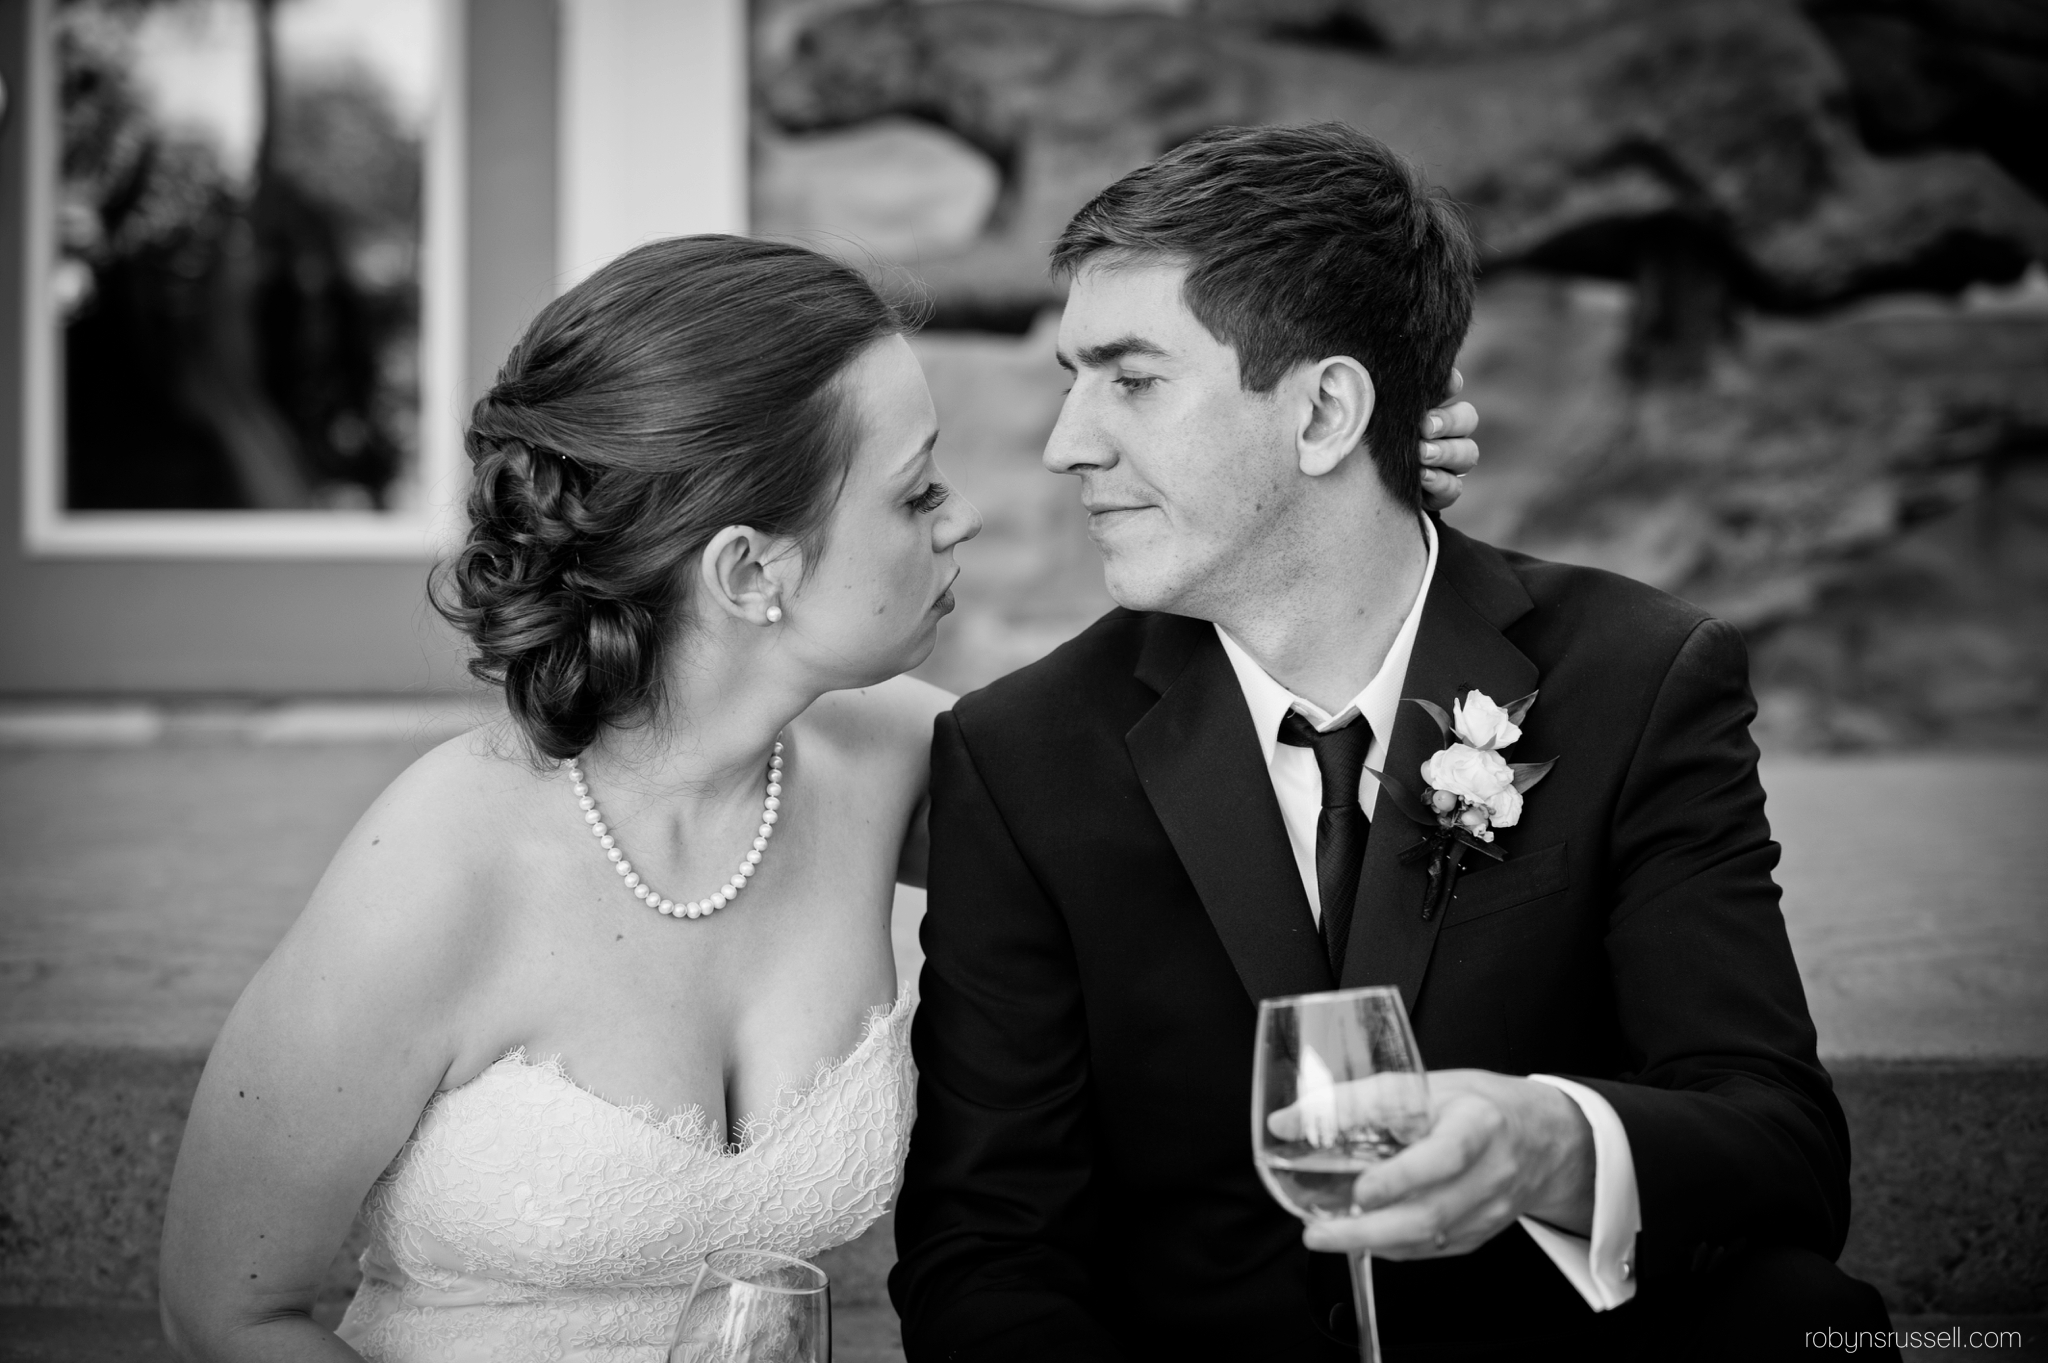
(1448, 451)
(1457, 385)
(1444, 462)
(1452, 421)
(1440, 490)
(1453, 457)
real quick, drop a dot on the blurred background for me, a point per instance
(1764, 322)
(238, 281)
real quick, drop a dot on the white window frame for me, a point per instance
(50, 530)
(652, 137)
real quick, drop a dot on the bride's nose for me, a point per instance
(960, 522)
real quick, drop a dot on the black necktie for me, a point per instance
(1341, 827)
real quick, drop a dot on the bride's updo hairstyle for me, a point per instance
(685, 387)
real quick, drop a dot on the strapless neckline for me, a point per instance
(692, 1124)
(529, 1220)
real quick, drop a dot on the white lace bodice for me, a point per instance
(528, 1219)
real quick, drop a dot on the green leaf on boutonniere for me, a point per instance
(1405, 800)
(1472, 841)
(1437, 713)
(1528, 774)
(1518, 710)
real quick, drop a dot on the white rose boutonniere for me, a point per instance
(1472, 774)
(1468, 788)
(1478, 722)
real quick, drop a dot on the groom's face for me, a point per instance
(1184, 474)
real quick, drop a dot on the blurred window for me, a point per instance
(244, 254)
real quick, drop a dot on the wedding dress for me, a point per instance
(528, 1219)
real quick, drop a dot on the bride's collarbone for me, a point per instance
(581, 970)
(822, 843)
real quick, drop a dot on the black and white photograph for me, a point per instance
(895, 681)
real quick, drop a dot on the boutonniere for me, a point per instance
(1468, 788)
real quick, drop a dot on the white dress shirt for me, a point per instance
(1602, 1268)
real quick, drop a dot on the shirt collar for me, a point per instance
(1379, 702)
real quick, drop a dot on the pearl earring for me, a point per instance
(775, 615)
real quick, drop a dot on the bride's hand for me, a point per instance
(1448, 450)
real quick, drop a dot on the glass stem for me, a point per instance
(1361, 1306)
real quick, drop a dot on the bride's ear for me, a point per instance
(738, 573)
(1339, 404)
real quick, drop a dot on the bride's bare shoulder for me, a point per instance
(892, 718)
(408, 922)
(478, 769)
(441, 841)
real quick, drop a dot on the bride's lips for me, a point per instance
(944, 604)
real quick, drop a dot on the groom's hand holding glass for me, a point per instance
(1498, 1148)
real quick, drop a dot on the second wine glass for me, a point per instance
(756, 1306)
(1337, 1086)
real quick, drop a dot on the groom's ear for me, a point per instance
(1339, 398)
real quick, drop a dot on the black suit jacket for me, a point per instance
(1112, 889)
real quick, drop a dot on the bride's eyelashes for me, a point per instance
(931, 499)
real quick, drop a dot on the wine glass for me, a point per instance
(756, 1306)
(1337, 1086)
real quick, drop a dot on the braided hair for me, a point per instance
(685, 387)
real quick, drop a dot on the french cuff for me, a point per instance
(1603, 1268)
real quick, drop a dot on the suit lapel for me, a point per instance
(1198, 760)
(1473, 597)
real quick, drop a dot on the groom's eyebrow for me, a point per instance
(1109, 352)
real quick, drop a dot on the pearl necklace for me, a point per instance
(724, 894)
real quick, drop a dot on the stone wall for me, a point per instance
(1764, 319)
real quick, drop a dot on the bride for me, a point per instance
(594, 992)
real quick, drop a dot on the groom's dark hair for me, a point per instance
(1303, 243)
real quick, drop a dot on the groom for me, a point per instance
(1634, 1147)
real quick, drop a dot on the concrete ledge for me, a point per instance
(88, 1138)
(87, 1141)
(422, 720)
(1950, 1183)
